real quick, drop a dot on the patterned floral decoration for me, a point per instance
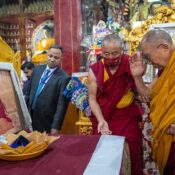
(77, 93)
(149, 166)
(85, 130)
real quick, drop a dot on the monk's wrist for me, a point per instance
(137, 77)
(101, 119)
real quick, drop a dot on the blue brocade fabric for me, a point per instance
(77, 93)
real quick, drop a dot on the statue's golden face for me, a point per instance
(46, 34)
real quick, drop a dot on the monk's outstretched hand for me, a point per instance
(103, 128)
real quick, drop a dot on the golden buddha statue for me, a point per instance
(43, 45)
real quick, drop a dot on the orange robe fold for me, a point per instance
(163, 113)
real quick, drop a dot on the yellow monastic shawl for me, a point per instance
(163, 114)
(127, 99)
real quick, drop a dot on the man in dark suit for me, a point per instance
(27, 68)
(46, 104)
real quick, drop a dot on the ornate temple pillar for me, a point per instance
(68, 22)
(22, 31)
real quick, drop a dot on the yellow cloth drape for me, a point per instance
(6, 53)
(163, 113)
(127, 99)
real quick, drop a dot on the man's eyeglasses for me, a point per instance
(113, 54)
(55, 57)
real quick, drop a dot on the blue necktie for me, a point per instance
(40, 86)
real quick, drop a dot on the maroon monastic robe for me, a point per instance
(5, 122)
(170, 166)
(121, 121)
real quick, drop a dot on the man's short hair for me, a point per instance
(56, 46)
(28, 65)
(114, 37)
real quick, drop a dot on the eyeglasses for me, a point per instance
(113, 54)
(146, 59)
(55, 57)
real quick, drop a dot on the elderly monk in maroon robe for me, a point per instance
(111, 97)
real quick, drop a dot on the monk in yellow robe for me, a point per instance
(158, 50)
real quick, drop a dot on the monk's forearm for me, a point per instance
(96, 110)
(142, 89)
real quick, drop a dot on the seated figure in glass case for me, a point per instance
(43, 45)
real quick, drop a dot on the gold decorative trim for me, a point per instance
(85, 125)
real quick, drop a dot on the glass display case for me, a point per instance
(168, 27)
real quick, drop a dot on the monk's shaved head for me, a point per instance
(157, 36)
(113, 38)
(157, 47)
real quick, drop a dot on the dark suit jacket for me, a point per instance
(51, 105)
(25, 90)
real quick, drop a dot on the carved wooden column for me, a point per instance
(68, 22)
(22, 31)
